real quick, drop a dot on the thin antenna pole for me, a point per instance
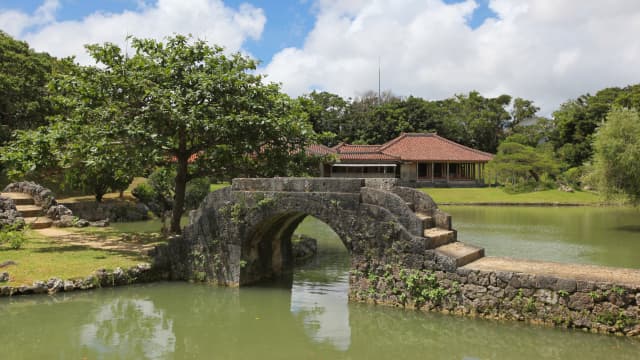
(379, 93)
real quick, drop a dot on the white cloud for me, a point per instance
(206, 19)
(544, 50)
(15, 22)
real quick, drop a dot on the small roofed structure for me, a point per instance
(423, 159)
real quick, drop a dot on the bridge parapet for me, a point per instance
(331, 185)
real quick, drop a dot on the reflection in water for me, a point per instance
(320, 290)
(187, 321)
(124, 327)
(312, 321)
(325, 310)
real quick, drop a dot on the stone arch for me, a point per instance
(268, 250)
(242, 234)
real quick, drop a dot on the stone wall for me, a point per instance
(396, 205)
(592, 306)
(42, 197)
(8, 213)
(140, 273)
(113, 210)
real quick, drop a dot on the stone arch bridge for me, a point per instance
(242, 234)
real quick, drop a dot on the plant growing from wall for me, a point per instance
(423, 287)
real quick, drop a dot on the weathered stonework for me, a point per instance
(592, 306)
(8, 212)
(101, 278)
(304, 248)
(403, 253)
(42, 196)
(242, 234)
(114, 211)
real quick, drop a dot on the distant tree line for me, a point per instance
(470, 119)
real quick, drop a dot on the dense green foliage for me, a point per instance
(616, 167)
(577, 120)
(158, 193)
(521, 166)
(87, 144)
(180, 104)
(24, 96)
(14, 235)
(23, 78)
(471, 119)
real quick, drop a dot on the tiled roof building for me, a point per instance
(421, 158)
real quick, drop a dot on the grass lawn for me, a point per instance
(215, 187)
(41, 258)
(499, 196)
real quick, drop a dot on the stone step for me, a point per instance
(427, 221)
(41, 222)
(29, 210)
(19, 198)
(439, 237)
(411, 206)
(461, 252)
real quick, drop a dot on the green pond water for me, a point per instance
(588, 235)
(310, 317)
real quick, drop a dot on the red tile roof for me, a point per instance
(367, 156)
(431, 147)
(406, 147)
(343, 148)
(319, 150)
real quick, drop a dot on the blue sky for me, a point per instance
(288, 22)
(548, 51)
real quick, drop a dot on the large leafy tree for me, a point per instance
(88, 145)
(23, 95)
(200, 110)
(23, 78)
(179, 103)
(522, 110)
(517, 163)
(616, 167)
(476, 121)
(326, 113)
(24, 74)
(577, 120)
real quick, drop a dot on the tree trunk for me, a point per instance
(178, 201)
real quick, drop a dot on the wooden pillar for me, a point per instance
(433, 169)
(447, 168)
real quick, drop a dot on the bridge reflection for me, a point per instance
(319, 294)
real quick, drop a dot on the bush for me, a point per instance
(157, 193)
(196, 191)
(14, 235)
(616, 160)
(143, 192)
(572, 177)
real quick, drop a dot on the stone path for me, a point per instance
(95, 242)
(622, 276)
